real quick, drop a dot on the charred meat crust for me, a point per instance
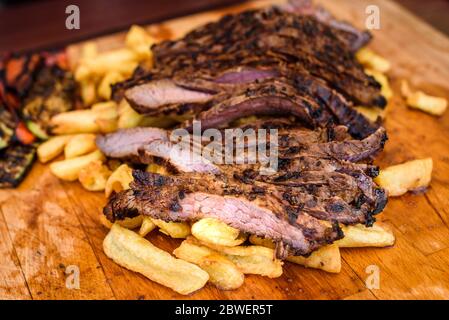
(257, 48)
(325, 186)
(171, 199)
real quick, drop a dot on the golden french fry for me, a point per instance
(93, 177)
(249, 259)
(107, 125)
(119, 180)
(104, 88)
(77, 121)
(147, 226)
(88, 94)
(138, 40)
(214, 231)
(128, 223)
(405, 89)
(106, 114)
(128, 117)
(123, 61)
(424, 102)
(386, 90)
(82, 73)
(371, 113)
(178, 230)
(326, 258)
(52, 148)
(89, 51)
(135, 253)
(404, 177)
(108, 109)
(155, 168)
(79, 145)
(223, 273)
(372, 60)
(69, 169)
(361, 236)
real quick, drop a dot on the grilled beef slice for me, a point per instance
(354, 38)
(254, 48)
(292, 144)
(194, 197)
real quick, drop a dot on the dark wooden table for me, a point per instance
(32, 25)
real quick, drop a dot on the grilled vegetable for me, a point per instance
(15, 161)
(53, 92)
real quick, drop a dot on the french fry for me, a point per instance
(407, 176)
(177, 230)
(372, 60)
(128, 117)
(69, 169)
(326, 258)
(88, 92)
(223, 273)
(216, 232)
(106, 110)
(119, 180)
(360, 236)
(89, 51)
(386, 90)
(82, 73)
(106, 116)
(147, 226)
(249, 259)
(138, 40)
(104, 88)
(128, 223)
(135, 253)
(79, 145)
(107, 125)
(77, 121)
(123, 61)
(155, 168)
(93, 177)
(52, 148)
(427, 103)
(405, 89)
(422, 101)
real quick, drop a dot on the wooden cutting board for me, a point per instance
(48, 225)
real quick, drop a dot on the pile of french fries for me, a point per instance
(211, 251)
(96, 72)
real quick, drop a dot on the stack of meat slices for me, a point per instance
(271, 62)
(324, 178)
(262, 62)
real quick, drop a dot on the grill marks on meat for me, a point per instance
(255, 51)
(192, 197)
(354, 39)
(318, 185)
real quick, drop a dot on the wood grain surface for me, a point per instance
(47, 225)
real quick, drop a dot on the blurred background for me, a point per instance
(39, 24)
